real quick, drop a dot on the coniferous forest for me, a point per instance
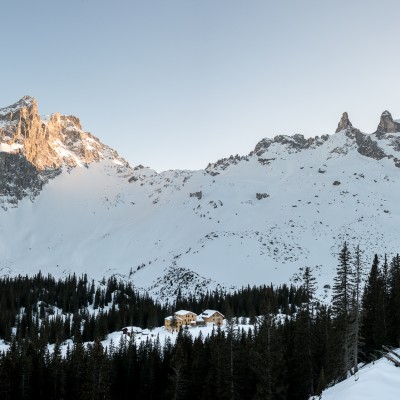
(294, 347)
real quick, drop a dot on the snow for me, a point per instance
(10, 148)
(115, 161)
(3, 346)
(163, 335)
(182, 312)
(379, 380)
(63, 152)
(142, 335)
(209, 313)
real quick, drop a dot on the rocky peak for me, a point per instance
(10, 115)
(34, 150)
(344, 123)
(387, 125)
(50, 143)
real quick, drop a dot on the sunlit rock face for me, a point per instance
(34, 149)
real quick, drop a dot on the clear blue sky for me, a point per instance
(180, 83)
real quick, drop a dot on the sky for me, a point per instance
(176, 84)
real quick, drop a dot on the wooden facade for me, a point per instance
(179, 319)
(213, 316)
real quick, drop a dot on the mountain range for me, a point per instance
(71, 204)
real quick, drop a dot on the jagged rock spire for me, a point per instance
(50, 144)
(387, 125)
(344, 123)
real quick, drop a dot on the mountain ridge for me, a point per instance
(242, 220)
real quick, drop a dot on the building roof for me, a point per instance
(171, 317)
(210, 313)
(184, 312)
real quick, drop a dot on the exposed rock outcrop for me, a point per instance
(295, 143)
(19, 178)
(368, 147)
(387, 125)
(344, 123)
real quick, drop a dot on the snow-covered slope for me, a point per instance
(378, 380)
(243, 220)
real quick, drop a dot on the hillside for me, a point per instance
(71, 204)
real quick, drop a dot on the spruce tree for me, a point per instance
(310, 288)
(342, 307)
(355, 313)
(394, 302)
(373, 311)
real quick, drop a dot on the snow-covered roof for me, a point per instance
(209, 313)
(183, 312)
(171, 317)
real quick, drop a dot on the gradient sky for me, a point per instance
(180, 83)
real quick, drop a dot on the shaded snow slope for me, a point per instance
(379, 380)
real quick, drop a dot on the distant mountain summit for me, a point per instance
(34, 149)
(70, 204)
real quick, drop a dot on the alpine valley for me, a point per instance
(69, 203)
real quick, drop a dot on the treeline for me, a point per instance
(290, 355)
(75, 308)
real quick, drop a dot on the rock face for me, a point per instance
(19, 178)
(387, 125)
(344, 123)
(34, 150)
(47, 144)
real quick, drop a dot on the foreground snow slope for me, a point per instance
(379, 380)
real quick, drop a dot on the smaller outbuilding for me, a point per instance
(213, 316)
(132, 330)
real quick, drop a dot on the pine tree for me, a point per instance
(373, 310)
(342, 308)
(355, 313)
(309, 287)
(394, 302)
(268, 362)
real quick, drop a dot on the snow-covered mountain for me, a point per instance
(71, 204)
